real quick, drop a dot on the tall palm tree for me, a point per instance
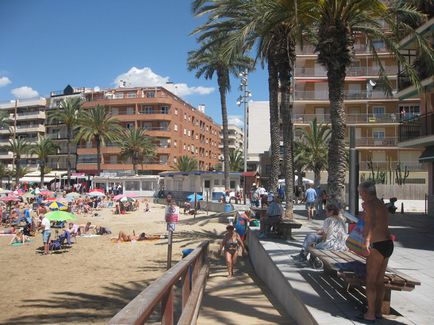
(185, 164)
(67, 113)
(207, 61)
(236, 160)
(4, 171)
(273, 27)
(4, 120)
(43, 148)
(18, 147)
(135, 145)
(339, 23)
(97, 124)
(314, 144)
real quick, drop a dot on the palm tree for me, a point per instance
(273, 27)
(339, 23)
(135, 145)
(96, 123)
(208, 60)
(4, 171)
(67, 113)
(236, 160)
(18, 147)
(4, 120)
(185, 164)
(314, 148)
(43, 148)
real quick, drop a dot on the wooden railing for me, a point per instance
(189, 275)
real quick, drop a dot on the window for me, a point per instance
(188, 132)
(147, 110)
(184, 146)
(207, 183)
(130, 110)
(185, 131)
(131, 95)
(119, 95)
(132, 186)
(164, 109)
(150, 94)
(147, 186)
(216, 182)
(378, 134)
(378, 44)
(409, 111)
(115, 111)
(378, 111)
(176, 111)
(175, 127)
(185, 116)
(130, 125)
(163, 159)
(232, 184)
(113, 159)
(175, 160)
(174, 143)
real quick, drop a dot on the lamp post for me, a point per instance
(243, 99)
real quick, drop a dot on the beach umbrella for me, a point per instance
(56, 205)
(191, 197)
(126, 199)
(28, 194)
(10, 198)
(95, 194)
(18, 192)
(36, 191)
(46, 193)
(3, 191)
(97, 190)
(75, 195)
(60, 216)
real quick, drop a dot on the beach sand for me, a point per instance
(95, 278)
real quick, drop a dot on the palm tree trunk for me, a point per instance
(17, 169)
(317, 177)
(287, 128)
(42, 174)
(336, 157)
(68, 159)
(222, 82)
(98, 155)
(274, 125)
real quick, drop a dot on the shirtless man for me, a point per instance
(379, 246)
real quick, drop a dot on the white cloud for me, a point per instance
(4, 81)
(236, 120)
(24, 92)
(136, 77)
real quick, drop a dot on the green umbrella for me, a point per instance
(60, 216)
(29, 194)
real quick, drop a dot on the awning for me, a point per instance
(427, 155)
(36, 179)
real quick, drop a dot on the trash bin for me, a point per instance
(228, 207)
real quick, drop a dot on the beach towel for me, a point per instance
(20, 243)
(89, 235)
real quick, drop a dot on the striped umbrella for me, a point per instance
(56, 205)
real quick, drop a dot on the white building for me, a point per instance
(235, 138)
(25, 120)
(259, 132)
(142, 185)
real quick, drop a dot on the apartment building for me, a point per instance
(417, 131)
(235, 138)
(57, 131)
(26, 120)
(177, 128)
(374, 115)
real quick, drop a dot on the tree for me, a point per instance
(314, 148)
(185, 164)
(208, 60)
(339, 23)
(4, 120)
(4, 171)
(67, 113)
(43, 148)
(96, 124)
(236, 160)
(18, 147)
(273, 27)
(135, 145)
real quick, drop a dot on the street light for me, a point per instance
(244, 99)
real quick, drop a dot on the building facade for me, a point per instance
(235, 138)
(25, 119)
(418, 131)
(177, 128)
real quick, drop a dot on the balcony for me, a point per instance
(21, 116)
(418, 130)
(376, 142)
(350, 118)
(308, 95)
(358, 49)
(351, 72)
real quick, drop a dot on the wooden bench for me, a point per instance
(348, 266)
(284, 228)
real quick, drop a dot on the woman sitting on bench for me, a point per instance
(331, 236)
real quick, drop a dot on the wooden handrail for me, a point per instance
(190, 271)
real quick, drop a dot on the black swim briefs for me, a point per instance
(385, 247)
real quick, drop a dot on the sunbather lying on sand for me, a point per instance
(124, 237)
(19, 237)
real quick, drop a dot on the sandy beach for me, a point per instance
(95, 278)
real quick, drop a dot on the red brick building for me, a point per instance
(177, 128)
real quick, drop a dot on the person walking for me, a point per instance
(231, 243)
(378, 245)
(310, 197)
(46, 232)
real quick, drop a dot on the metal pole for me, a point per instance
(245, 136)
(169, 248)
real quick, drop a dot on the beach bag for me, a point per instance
(355, 241)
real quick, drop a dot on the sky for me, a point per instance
(48, 44)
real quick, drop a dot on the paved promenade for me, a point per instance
(328, 303)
